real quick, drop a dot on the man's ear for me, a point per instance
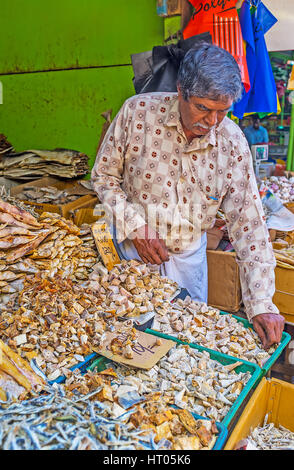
(179, 91)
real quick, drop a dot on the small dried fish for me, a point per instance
(53, 421)
(270, 437)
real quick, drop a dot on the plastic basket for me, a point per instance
(100, 363)
(264, 369)
(246, 366)
(286, 338)
(272, 397)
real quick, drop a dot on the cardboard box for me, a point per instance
(224, 287)
(85, 216)
(87, 199)
(290, 206)
(284, 295)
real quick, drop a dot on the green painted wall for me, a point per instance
(63, 63)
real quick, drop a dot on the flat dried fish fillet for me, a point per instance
(18, 214)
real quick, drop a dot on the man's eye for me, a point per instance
(201, 107)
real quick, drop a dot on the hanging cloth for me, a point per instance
(220, 18)
(262, 96)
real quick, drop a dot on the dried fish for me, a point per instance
(206, 326)
(271, 437)
(189, 379)
(56, 319)
(53, 421)
(131, 288)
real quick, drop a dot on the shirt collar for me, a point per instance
(172, 119)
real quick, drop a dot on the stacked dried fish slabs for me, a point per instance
(189, 378)
(131, 288)
(195, 322)
(48, 194)
(57, 323)
(38, 163)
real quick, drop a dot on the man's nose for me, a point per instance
(211, 118)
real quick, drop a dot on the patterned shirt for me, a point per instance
(146, 171)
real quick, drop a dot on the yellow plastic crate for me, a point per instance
(273, 397)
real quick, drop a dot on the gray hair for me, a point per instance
(208, 71)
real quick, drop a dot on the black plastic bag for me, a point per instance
(157, 70)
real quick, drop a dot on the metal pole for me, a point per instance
(290, 160)
(282, 110)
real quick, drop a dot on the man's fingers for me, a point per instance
(150, 253)
(162, 250)
(259, 330)
(145, 260)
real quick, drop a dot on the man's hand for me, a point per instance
(149, 246)
(269, 327)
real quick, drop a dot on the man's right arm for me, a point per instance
(107, 176)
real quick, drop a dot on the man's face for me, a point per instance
(199, 115)
(256, 124)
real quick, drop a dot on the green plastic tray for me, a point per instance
(254, 370)
(263, 370)
(286, 338)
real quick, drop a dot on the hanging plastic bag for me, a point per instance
(157, 70)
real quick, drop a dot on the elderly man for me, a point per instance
(168, 163)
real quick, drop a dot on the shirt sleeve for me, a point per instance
(249, 236)
(107, 176)
(248, 135)
(265, 139)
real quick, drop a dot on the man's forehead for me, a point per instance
(212, 105)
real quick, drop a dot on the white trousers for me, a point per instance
(188, 269)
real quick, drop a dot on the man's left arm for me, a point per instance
(254, 254)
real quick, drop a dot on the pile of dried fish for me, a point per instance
(50, 246)
(49, 194)
(270, 437)
(38, 163)
(285, 257)
(20, 233)
(282, 187)
(179, 428)
(57, 323)
(64, 252)
(87, 237)
(17, 379)
(195, 322)
(131, 288)
(53, 421)
(189, 378)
